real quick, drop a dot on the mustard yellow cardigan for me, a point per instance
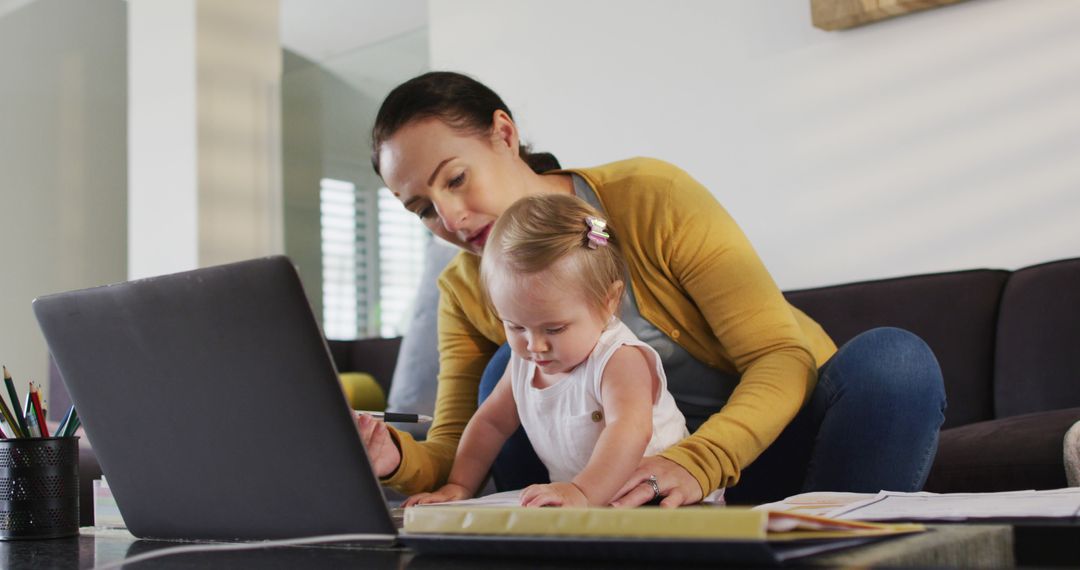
(696, 277)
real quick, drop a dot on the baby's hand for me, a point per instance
(448, 492)
(553, 495)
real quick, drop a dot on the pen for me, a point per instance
(15, 409)
(27, 414)
(31, 420)
(397, 417)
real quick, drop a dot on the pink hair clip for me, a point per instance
(597, 236)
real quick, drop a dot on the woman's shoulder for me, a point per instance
(462, 271)
(637, 187)
(632, 171)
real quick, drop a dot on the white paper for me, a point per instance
(889, 505)
(504, 499)
(819, 503)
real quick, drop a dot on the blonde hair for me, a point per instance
(537, 233)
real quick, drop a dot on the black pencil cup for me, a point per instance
(39, 487)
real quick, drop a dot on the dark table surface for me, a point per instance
(97, 547)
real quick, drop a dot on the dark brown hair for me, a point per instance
(458, 100)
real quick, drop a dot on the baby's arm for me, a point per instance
(626, 388)
(492, 424)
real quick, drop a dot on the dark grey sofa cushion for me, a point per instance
(375, 356)
(1010, 454)
(1038, 344)
(954, 313)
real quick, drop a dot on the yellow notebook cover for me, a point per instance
(707, 522)
(652, 522)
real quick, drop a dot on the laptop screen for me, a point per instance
(213, 406)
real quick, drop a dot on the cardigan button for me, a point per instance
(597, 416)
(675, 334)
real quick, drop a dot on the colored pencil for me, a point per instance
(73, 425)
(60, 429)
(10, 419)
(15, 409)
(35, 399)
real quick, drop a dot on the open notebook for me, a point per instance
(501, 513)
(495, 525)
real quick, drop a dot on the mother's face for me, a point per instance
(457, 183)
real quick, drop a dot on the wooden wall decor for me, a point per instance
(842, 14)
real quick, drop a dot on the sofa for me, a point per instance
(1005, 342)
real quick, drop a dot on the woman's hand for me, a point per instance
(553, 495)
(448, 492)
(677, 486)
(383, 453)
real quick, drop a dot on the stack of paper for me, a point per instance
(890, 505)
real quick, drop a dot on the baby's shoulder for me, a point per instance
(626, 357)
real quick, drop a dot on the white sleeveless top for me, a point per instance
(564, 421)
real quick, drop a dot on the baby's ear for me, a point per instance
(615, 293)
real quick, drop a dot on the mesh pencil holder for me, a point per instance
(39, 487)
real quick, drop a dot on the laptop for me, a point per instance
(213, 405)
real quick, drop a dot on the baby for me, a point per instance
(592, 398)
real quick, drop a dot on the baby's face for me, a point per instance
(547, 324)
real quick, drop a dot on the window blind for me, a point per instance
(372, 256)
(402, 241)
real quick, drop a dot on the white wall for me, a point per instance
(163, 218)
(204, 125)
(947, 139)
(63, 163)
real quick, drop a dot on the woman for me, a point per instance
(758, 381)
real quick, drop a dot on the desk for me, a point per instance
(946, 546)
(95, 547)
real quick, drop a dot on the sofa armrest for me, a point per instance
(375, 356)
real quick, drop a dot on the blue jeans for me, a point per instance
(871, 424)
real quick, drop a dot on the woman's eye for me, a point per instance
(457, 180)
(426, 212)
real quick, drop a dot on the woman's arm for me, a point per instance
(711, 259)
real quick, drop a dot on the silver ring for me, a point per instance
(655, 487)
